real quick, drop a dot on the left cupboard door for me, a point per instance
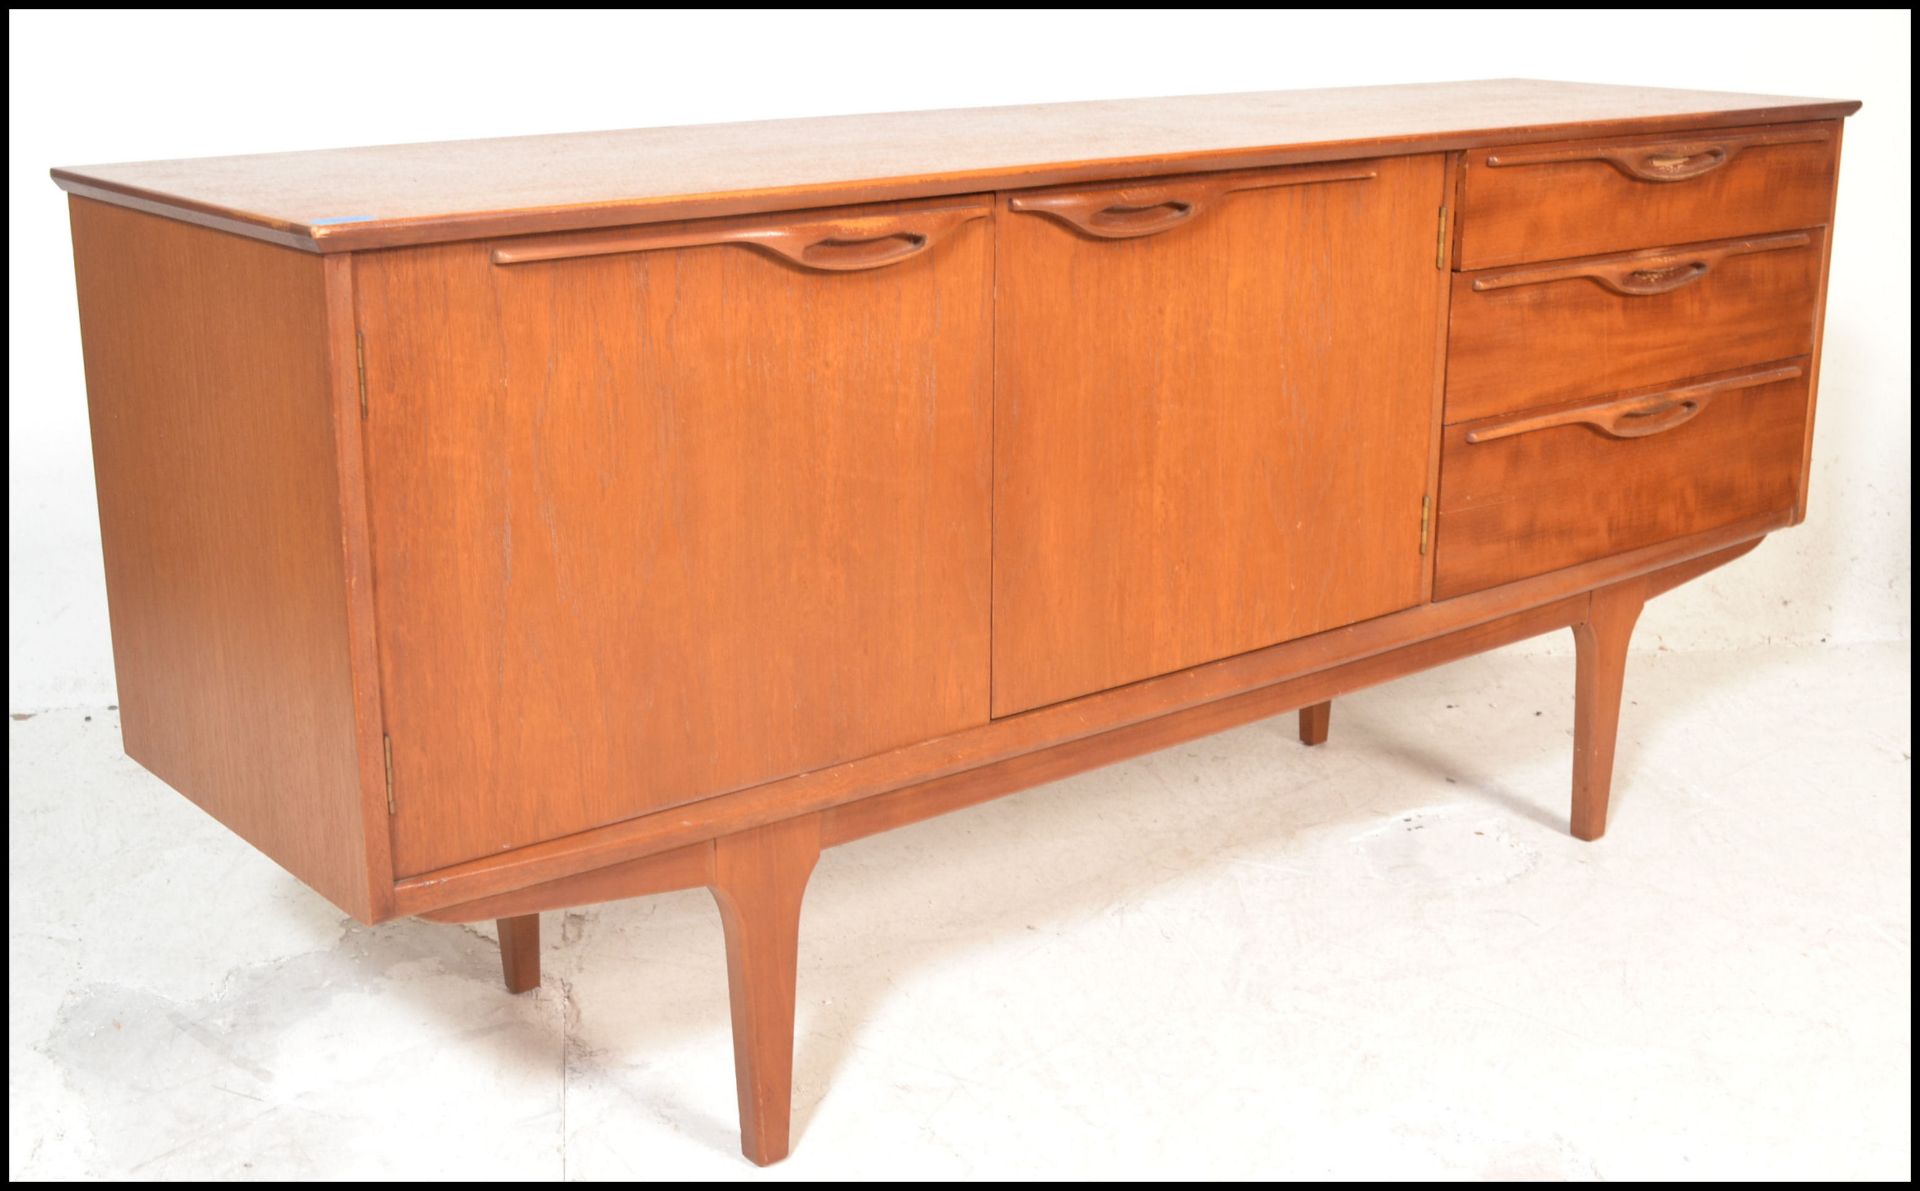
(664, 512)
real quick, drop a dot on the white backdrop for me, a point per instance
(88, 88)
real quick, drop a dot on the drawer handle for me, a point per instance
(1646, 282)
(1635, 417)
(1643, 274)
(1128, 212)
(1639, 421)
(842, 245)
(1672, 161)
(1675, 167)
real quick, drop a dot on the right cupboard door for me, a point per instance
(1215, 400)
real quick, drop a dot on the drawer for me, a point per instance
(1580, 198)
(1538, 334)
(1523, 495)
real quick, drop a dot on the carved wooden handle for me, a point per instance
(1127, 212)
(1634, 417)
(1665, 161)
(1643, 274)
(835, 245)
(1114, 215)
(1643, 283)
(1671, 167)
(838, 252)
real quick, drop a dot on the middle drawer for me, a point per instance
(1534, 334)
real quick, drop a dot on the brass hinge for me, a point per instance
(386, 742)
(1439, 262)
(1426, 519)
(360, 357)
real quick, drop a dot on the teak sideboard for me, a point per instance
(500, 526)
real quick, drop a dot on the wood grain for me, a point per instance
(1448, 246)
(1659, 582)
(1314, 722)
(1151, 207)
(1561, 495)
(1174, 415)
(215, 459)
(1638, 415)
(708, 520)
(844, 243)
(1819, 336)
(356, 552)
(1672, 159)
(759, 880)
(1600, 649)
(520, 952)
(1536, 335)
(1641, 274)
(870, 816)
(1577, 202)
(691, 866)
(663, 872)
(346, 199)
(1057, 725)
(884, 812)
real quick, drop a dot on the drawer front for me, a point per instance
(1525, 495)
(1538, 334)
(663, 512)
(1582, 198)
(1213, 417)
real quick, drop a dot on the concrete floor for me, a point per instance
(1379, 959)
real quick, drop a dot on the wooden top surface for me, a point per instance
(334, 200)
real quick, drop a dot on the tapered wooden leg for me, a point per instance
(1600, 647)
(1313, 723)
(759, 879)
(520, 952)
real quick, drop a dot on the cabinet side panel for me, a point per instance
(208, 387)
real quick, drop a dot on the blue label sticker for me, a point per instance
(340, 219)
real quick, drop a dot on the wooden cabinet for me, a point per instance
(504, 526)
(1189, 376)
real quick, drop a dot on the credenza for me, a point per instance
(500, 526)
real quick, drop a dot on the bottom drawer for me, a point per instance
(1523, 494)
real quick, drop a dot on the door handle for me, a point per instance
(1132, 211)
(834, 245)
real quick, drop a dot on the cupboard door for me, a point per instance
(1215, 404)
(665, 512)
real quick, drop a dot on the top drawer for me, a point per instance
(1577, 198)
